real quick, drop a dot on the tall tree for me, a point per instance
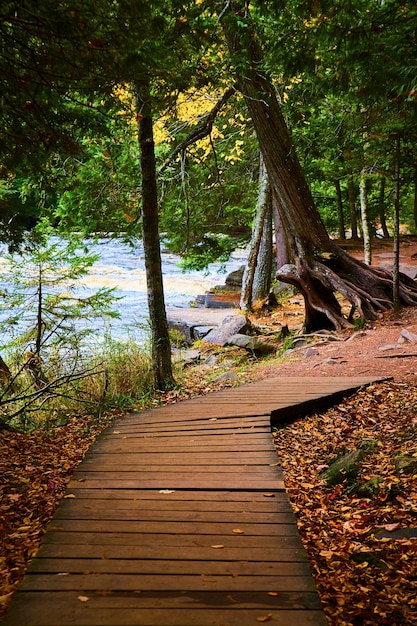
(321, 269)
(161, 347)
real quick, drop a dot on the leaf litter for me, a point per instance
(364, 574)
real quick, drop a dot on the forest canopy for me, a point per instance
(343, 82)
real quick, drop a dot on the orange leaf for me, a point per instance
(264, 618)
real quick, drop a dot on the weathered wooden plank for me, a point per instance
(87, 549)
(259, 507)
(76, 613)
(155, 582)
(185, 599)
(259, 474)
(197, 426)
(213, 437)
(128, 471)
(81, 490)
(170, 528)
(135, 447)
(90, 512)
(175, 567)
(177, 459)
(171, 482)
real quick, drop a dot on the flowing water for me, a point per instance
(122, 267)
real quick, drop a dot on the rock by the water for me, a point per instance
(199, 332)
(253, 344)
(231, 325)
(234, 279)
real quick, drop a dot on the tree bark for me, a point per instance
(396, 264)
(381, 207)
(321, 269)
(415, 194)
(263, 270)
(339, 205)
(352, 208)
(256, 270)
(367, 243)
(161, 347)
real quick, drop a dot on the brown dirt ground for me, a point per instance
(373, 350)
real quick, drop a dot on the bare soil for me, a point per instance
(378, 349)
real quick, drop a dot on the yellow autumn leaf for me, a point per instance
(264, 618)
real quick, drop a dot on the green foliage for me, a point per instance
(43, 294)
(46, 323)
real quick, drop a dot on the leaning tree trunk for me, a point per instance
(321, 269)
(161, 347)
(252, 279)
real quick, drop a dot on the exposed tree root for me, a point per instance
(369, 290)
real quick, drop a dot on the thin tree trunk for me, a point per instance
(367, 243)
(381, 207)
(396, 265)
(161, 347)
(263, 270)
(283, 255)
(262, 211)
(339, 205)
(352, 208)
(415, 193)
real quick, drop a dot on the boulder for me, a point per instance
(346, 466)
(234, 279)
(253, 344)
(231, 325)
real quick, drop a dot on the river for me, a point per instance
(122, 267)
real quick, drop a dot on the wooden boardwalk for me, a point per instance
(178, 517)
